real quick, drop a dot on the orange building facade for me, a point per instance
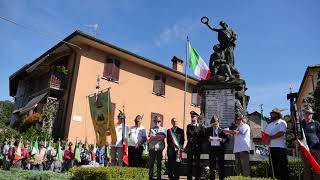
(137, 85)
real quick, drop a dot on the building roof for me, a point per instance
(13, 79)
(305, 76)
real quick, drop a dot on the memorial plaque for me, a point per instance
(220, 102)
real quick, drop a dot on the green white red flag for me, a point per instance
(197, 64)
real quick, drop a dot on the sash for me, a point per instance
(174, 139)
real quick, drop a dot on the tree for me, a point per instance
(5, 112)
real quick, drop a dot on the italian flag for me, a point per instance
(197, 64)
(263, 129)
(125, 133)
(305, 151)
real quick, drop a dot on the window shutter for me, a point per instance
(157, 84)
(163, 86)
(107, 73)
(198, 99)
(194, 99)
(116, 70)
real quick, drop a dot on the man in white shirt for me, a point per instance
(117, 148)
(137, 137)
(276, 140)
(242, 144)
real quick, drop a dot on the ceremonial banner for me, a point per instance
(102, 117)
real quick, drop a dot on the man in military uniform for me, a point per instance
(195, 134)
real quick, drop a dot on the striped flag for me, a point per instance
(305, 151)
(125, 131)
(197, 64)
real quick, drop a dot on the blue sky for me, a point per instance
(277, 39)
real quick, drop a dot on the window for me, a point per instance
(159, 85)
(195, 98)
(153, 116)
(111, 69)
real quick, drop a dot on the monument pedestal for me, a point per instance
(224, 99)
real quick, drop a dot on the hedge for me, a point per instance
(295, 169)
(32, 175)
(244, 178)
(104, 173)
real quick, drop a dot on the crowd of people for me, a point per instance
(61, 156)
(58, 157)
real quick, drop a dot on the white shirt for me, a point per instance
(275, 127)
(118, 129)
(242, 140)
(137, 135)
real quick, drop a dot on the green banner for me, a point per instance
(101, 114)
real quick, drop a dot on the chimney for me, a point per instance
(177, 64)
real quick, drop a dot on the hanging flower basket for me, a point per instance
(61, 69)
(35, 117)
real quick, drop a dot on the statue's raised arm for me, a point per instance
(223, 55)
(205, 20)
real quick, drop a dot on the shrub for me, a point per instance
(32, 175)
(36, 132)
(6, 133)
(104, 173)
(263, 169)
(244, 178)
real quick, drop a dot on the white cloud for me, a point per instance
(180, 30)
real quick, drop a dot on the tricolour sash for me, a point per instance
(176, 144)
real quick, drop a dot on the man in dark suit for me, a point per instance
(195, 134)
(217, 139)
(175, 142)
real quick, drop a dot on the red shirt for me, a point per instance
(68, 155)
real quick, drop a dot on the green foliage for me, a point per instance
(31, 134)
(263, 169)
(32, 175)
(244, 178)
(7, 133)
(5, 112)
(36, 132)
(104, 173)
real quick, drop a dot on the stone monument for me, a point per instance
(223, 94)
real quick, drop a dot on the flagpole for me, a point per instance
(185, 83)
(270, 157)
